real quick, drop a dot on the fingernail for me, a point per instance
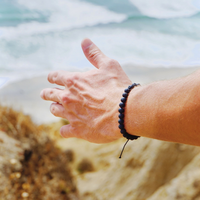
(86, 44)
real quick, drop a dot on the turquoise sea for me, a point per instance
(44, 35)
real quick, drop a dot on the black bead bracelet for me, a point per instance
(121, 116)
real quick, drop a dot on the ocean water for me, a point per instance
(44, 35)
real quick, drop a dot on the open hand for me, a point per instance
(90, 100)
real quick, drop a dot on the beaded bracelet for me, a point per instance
(121, 116)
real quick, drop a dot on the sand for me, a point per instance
(112, 178)
(24, 95)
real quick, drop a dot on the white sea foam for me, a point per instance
(64, 15)
(150, 49)
(167, 9)
(34, 48)
(61, 51)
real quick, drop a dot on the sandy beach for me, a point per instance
(152, 40)
(24, 95)
(96, 170)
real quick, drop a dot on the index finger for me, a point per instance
(57, 77)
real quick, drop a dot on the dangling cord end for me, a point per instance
(123, 149)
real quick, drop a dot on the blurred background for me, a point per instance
(152, 39)
(43, 35)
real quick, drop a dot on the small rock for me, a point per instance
(13, 161)
(25, 186)
(25, 194)
(70, 155)
(85, 166)
(15, 175)
(18, 175)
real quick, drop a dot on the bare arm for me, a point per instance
(168, 110)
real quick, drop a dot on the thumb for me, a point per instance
(93, 53)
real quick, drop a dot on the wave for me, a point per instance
(61, 50)
(13, 14)
(188, 27)
(117, 6)
(34, 45)
(62, 15)
(167, 9)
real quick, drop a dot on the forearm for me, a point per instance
(166, 110)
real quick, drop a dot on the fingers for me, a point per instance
(59, 77)
(51, 94)
(66, 131)
(56, 77)
(93, 53)
(58, 110)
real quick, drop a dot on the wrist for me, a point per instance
(140, 118)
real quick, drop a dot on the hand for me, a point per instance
(90, 100)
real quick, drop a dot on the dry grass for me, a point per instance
(45, 174)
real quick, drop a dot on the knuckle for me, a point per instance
(53, 110)
(72, 80)
(65, 99)
(112, 63)
(75, 77)
(93, 54)
(69, 82)
(52, 75)
(48, 94)
(51, 93)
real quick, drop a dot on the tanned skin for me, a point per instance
(166, 110)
